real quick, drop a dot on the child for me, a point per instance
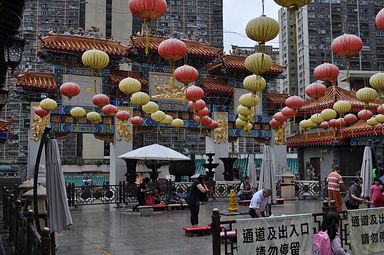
(376, 194)
(331, 226)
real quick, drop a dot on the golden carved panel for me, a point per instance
(221, 132)
(38, 125)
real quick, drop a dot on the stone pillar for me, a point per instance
(218, 143)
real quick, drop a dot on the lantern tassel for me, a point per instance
(146, 28)
(172, 64)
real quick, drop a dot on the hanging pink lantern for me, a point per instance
(194, 93)
(172, 49)
(280, 117)
(315, 90)
(109, 110)
(379, 20)
(274, 124)
(70, 89)
(288, 112)
(41, 112)
(206, 121)
(137, 120)
(365, 114)
(324, 125)
(380, 109)
(347, 45)
(350, 118)
(122, 115)
(196, 106)
(203, 112)
(186, 74)
(100, 100)
(326, 72)
(294, 102)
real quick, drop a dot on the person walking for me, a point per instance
(377, 193)
(246, 191)
(258, 205)
(335, 183)
(197, 193)
(353, 198)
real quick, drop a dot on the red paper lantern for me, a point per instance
(365, 114)
(41, 112)
(122, 115)
(203, 112)
(279, 117)
(333, 123)
(350, 118)
(172, 49)
(274, 124)
(346, 45)
(205, 120)
(379, 20)
(380, 109)
(109, 110)
(194, 93)
(341, 122)
(186, 74)
(315, 90)
(100, 100)
(196, 118)
(288, 112)
(214, 124)
(70, 89)
(148, 10)
(324, 125)
(294, 102)
(196, 106)
(326, 72)
(137, 120)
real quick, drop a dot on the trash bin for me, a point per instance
(288, 187)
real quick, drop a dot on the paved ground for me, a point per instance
(107, 230)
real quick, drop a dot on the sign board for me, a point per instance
(283, 235)
(366, 231)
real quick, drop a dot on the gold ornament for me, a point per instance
(221, 132)
(123, 130)
(38, 125)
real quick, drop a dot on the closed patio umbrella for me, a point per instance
(366, 172)
(267, 173)
(252, 170)
(59, 216)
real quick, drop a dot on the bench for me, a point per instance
(198, 231)
(244, 202)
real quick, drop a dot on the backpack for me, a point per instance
(321, 244)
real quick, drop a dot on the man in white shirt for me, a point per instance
(258, 205)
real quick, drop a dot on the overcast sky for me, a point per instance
(237, 13)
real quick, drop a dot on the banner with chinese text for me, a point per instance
(283, 235)
(366, 231)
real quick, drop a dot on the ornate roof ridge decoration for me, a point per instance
(37, 81)
(334, 94)
(214, 86)
(78, 44)
(236, 63)
(195, 48)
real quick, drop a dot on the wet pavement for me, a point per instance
(104, 229)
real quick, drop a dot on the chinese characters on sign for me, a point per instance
(366, 230)
(284, 235)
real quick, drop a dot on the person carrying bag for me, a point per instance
(197, 194)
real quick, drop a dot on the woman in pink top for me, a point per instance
(376, 193)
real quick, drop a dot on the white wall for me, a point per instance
(326, 156)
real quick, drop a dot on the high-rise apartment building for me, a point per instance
(196, 19)
(318, 23)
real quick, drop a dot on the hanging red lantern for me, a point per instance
(364, 114)
(288, 112)
(274, 124)
(326, 72)
(380, 109)
(333, 123)
(315, 90)
(194, 93)
(109, 110)
(41, 112)
(341, 122)
(100, 100)
(172, 49)
(214, 124)
(137, 120)
(196, 106)
(122, 115)
(70, 89)
(350, 118)
(186, 74)
(203, 112)
(280, 117)
(379, 20)
(205, 120)
(347, 45)
(324, 125)
(294, 102)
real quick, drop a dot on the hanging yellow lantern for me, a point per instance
(366, 95)
(316, 118)
(379, 118)
(150, 108)
(258, 63)
(242, 110)
(167, 120)
(48, 104)
(377, 82)
(248, 127)
(342, 107)
(249, 100)
(177, 123)
(78, 112)
(372, 122)
(246, 118)
(306, 124)
(328, 114)
(158, 116)
(240, 123)
(95, 59)
(94, 117)
(140, 98)
(129, 86)
(292, 4)
(262, 29)
(254, 83)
